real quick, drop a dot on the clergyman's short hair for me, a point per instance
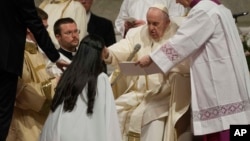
(59, 22)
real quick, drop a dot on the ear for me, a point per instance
(58, 36)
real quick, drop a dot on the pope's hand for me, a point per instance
(144, 61)
(247, 53)
(105, 53)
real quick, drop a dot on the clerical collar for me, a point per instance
(88, 16)
(194, 2)
(66, 53)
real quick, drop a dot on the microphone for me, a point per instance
(240, 14)
(132, 54)
(130, 57)
(235, 16)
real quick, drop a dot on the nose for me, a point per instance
(75, 35)
(150, 27)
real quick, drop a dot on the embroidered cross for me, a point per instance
(170, 52)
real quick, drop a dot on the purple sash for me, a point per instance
(194, 2)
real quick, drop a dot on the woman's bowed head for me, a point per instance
(84, 70)
(83, 100)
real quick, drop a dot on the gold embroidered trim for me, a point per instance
(46, 107)
(132, 136)
(46, 87)
(40, 67)
(65, 8)
(31, 47)
(33, 71)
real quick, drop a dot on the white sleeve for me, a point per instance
(120, 51)
(53, 70)
(190, 37)
(119, 22)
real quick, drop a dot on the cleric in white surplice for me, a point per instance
(219, 75)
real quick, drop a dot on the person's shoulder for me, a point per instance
(102, 76)
(133, 31)
(204, 7)
(177, 21)
(77, 4)
(103, 80)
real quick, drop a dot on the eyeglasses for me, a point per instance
(70, 33)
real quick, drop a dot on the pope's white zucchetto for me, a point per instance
(161, 7)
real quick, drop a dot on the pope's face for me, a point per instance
(185, 3)
(158, 22)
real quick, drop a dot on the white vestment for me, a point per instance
(138, 9)
(219, 74)
(76, 125)
(69, 8)
(146, 99)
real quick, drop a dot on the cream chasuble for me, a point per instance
(145, 98)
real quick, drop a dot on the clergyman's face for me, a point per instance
(69, 36)
(157, 22)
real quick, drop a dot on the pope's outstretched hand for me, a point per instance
(144, 61)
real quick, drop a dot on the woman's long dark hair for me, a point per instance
(83, 71)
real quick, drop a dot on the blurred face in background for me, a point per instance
(86, 4)
(69, 36)
(158, 22)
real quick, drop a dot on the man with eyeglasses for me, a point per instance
(67, 35)
(57, 9)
